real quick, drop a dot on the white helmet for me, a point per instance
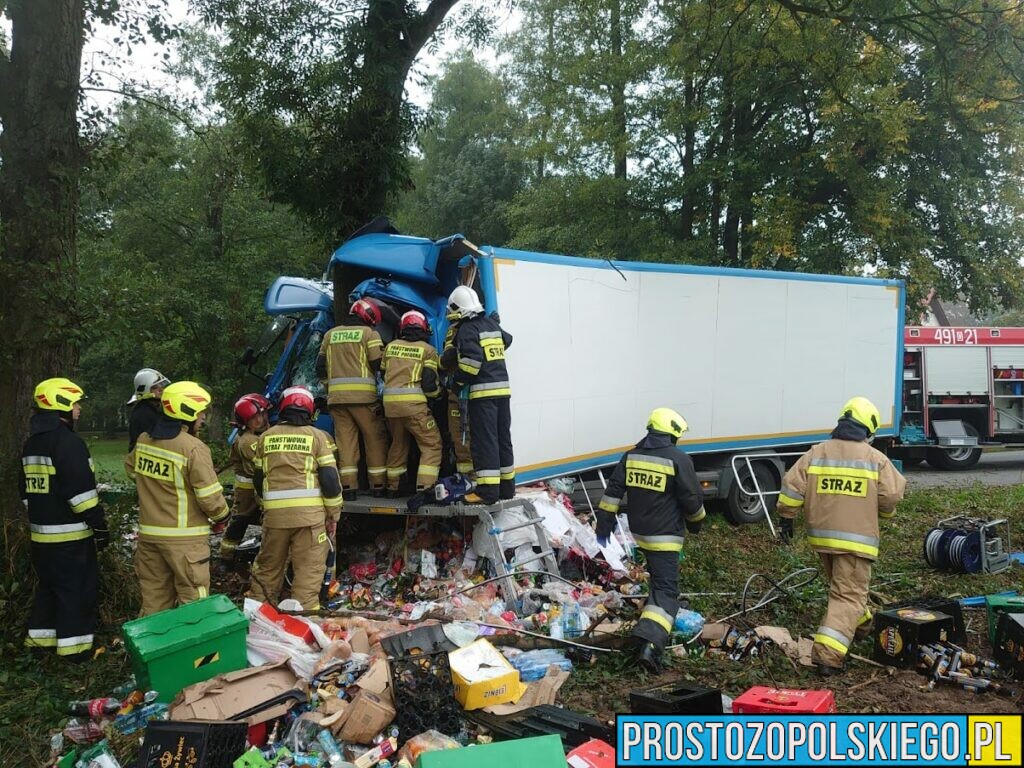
(145, 380)
(464, 303)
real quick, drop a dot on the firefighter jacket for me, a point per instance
(144, 417)
(57, 483)
(179, 493)
(297, 476)
(351, 355)
(664, 494)
(242, 456)
(843, 486)
(480, 344)
(410, 373)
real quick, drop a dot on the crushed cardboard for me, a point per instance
(224, 696)
(543, 691)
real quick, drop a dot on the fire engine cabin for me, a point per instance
(963, 388)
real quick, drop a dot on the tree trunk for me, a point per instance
(689, 204)
(620, 130)
(39, 87)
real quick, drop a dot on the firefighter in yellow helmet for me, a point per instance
(297, 479)
(664, 502)
(67, 523)
(179, 497)
(843, 485)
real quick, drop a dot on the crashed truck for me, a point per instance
(757, 361)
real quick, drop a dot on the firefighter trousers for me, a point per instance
(172, 572)
(306, 549)
(63, 615)
(463, 451)
(245, 512)
(849, 577)
(418, 424)
(490, 423)
(659, 614)
(350, 423)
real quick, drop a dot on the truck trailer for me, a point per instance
(758, 362)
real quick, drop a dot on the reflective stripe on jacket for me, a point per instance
(288, 460)
(843, 486)
(410, 371)
(349, 351)
(480, 345)
(179, 493)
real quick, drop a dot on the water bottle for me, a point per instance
(97, 709)
(571, 623)
(123, 690)
(331, 748)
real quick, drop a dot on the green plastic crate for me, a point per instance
(996, 606)
(536, 752)
(188, 644)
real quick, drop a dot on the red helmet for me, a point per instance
(249, 406)
(366, 310)
(297, 397)
(413, 319)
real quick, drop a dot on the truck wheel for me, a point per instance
(956, 459)
(741, 508)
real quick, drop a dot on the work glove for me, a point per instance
(694, 528)
(602, 541)
(331, 526)
(786, 529)
(219, 528)
(97, 520)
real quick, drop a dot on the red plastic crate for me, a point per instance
(760, 700)
(592, 754)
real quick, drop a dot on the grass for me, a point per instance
(719, 560)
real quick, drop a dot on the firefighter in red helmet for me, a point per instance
(251, 419)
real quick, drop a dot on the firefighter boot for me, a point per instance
(650, 658)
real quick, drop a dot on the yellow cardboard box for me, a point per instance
(482, 676)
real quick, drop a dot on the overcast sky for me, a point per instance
(145, 64)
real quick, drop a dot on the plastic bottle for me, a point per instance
(331, 748)
(97, 709)
(571, 621)
(555, 630)
(123, 690)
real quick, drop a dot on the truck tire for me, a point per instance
(741, 509)
(956, 459)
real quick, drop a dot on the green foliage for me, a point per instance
(469, 170)
(177, 247)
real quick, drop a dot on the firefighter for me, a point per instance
(843, 485)
(349, 359)
(67, 523)
(480, 344)
(410, 370)
(251, 420)
(458, 421)
(665, 502)
(179, 497)
(297, 479)
(149, 385)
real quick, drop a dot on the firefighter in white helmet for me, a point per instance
(149, 385)
(843, 485)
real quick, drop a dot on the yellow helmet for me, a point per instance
(57, 394)
(668, 421)
(185, 400)
(862, 411)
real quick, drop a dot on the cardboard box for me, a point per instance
(290, 624)
(224, 696)
(377, 679)
(359, 641)
(899, 634)
(367, 715)
(482, 676)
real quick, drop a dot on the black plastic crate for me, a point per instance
(429, 639)
(424, 695)
(192, 744)
(571, 727)
(679, 698)
(946, 605)
(1009, 645)
(899, 634)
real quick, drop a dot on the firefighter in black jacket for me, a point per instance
(67, 523)
(149, 385)
(665, 501)
(480, 345)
